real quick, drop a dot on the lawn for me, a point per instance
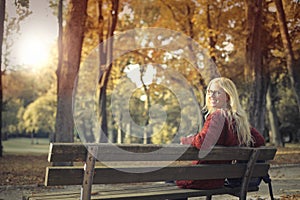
(26, 146)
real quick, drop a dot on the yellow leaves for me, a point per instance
(277, 53)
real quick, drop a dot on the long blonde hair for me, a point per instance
(234, 111)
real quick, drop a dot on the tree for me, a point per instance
(2, 16)
(273, 118)
(39, 116)
(286, 107)
(288, 50)
(59, 46)
(106, 59)
(22, 14)
(74, 34)
(254, 70)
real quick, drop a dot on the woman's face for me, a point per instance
(217, 97)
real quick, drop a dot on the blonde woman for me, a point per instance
(226, 124)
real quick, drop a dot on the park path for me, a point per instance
(285, 181)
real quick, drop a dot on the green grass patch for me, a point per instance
(26, 146)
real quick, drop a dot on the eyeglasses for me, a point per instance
(214, 92)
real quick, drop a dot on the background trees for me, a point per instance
(288, 50)
(11, 25)
(249, 42)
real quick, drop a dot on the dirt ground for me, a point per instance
(23, 172)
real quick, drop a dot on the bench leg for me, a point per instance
(248, 174)
(208, 197)
(86, 187)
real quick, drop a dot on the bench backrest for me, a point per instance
(142, 163)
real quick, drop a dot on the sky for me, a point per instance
(37, 35)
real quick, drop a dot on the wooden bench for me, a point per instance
(141, 172)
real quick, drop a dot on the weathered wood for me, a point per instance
(139, 192)
(74, 175)
(162, 193)
(88, 177)
(147, 163)
(66, 175)
(66, 195)
(67, 152)
(249, 173)
(63, 152)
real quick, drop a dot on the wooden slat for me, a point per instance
(164, 192)
(67, 152)
(140, 192)
(74, 175)
(64, 176)
(199, 172)
(64, 152)
(67, 195)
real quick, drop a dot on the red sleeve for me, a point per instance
(187, 140)
(257, 137)
(210, 132)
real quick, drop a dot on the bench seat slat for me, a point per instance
(140, 192)
(171, 192)
(64, 152)
(74, 175)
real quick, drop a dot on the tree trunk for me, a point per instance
(212, 40)
(2, 18)
(273, 119)
(64, 128)
(147, 106)
(127, 139)
(106, 59)
(60, 51)
(287, 46)
(254, 71)
(120, 135)
(102, 94)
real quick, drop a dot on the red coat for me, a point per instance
(216, 131)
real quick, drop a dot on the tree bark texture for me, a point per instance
(60, 51)
(64, 128)
(254, 71)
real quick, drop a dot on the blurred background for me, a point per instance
(256, 45)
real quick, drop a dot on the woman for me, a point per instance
(226, 124)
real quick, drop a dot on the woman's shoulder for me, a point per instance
(218, 113)
(259, 140)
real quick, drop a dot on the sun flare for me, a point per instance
(34, 51)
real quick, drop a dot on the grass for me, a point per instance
(25, 146)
